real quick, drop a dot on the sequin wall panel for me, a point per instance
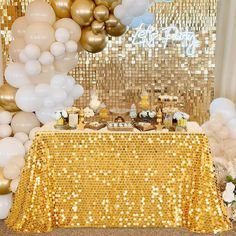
(124, 68)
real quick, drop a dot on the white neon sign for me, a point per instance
(150, 36)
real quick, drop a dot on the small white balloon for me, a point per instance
(58, 49)
(28, 145)
(5, 131)
(58, 81)
(22, 56)
(46, 58)
(11, 171)
(69, 101)
(120, 12)
(19, 161)
(14, 184)
(127, 20)
(62, 35)
(45, 115)
(48, 102)
(42, 90)
(58, 95)
(77, 91)
(5, 117)
(71, 46)
(33, 67)
(69, 84)
(32, 51)
(222, 104)
(23, 137)
(5, 205)
(33, 133)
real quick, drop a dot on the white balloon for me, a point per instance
(19, 161)
(33, 133)
(32, 51)
(28, 145)
(5, 131)
(58, 81)
(48, 102)
(120, 12)
(137, 8)
(46, 58)
(45, 115)
(127, 20)
(5, 117)
(16, 76)
(69, 101)
(62, 35)
(69, 84)
(58, 95)
(221, 104)
(71, 46)
(33, 68)
(42, 90)
(11, 171)
(58, 49)
(27, 100)
(14, 184)
(5, 205)
(22, 56)
(10, 147)
(77, 91)
(21, 136)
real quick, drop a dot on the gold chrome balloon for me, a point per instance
(112, 21)
(97, 27)
(82, 12)
(117, 30)
(7, 98)
(92, 42)
(107, 3)
(101, 13)
(62, 8)
(4, 184)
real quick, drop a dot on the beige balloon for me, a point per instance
(19, 26)
(48, 71)
(15, 48)
(40, 11)
(62, 7)
(92, 42)
(24, 122)
(82, 12)
(101, 13)
(66, 64)
(4, 184)
(42, 34)
(71, 26)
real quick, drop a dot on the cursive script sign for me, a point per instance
(150, 36)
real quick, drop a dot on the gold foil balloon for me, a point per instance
(82, 12)
(101, 13)
(62, 8)
(7, 98)
(4, 184)
(112, 21)
(97, 27)
(92, 42)
(117, 30)
(107, 3)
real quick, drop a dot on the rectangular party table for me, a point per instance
(124, 179)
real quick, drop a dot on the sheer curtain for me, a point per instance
(225, 81)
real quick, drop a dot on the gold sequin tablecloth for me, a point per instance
(104, 179)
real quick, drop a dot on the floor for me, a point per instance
(4, 231)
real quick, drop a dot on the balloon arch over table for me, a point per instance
(45, 47)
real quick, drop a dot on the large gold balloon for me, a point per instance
(117, 30)
(97, 27)
(4, 184)
(62, 8)
(7, 98)
(92, 42)
(82, 12)
(101, 13)
(112, 21)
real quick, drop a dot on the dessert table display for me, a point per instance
(85, 178)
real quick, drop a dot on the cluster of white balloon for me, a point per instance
(43, 52)
(134, 13)
(221, 130)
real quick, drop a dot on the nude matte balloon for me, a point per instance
(71, 26)
(16, 46)
(40, 11)
(47, 72)
(24, 122)
(67, 63)
(19, 26)
(40, 34)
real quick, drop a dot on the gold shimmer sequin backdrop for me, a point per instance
(123, 69)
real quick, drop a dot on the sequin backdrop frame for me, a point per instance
(123, 69)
